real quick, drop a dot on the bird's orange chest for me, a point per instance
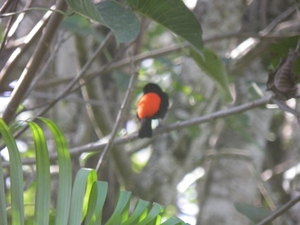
(148, 105)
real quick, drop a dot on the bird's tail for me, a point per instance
(145, 129)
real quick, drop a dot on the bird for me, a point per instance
(153, 104)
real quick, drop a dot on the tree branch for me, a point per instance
(96, 146)
(118, 119)
(33, 64)
(280, 211)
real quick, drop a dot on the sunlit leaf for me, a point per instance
(80, 195)
(174, 221)
(153, 216)
(121, 207)
(140, 209)
(42, 198)
(16, 175)
(3, 215)
(65, 173)
(96, 203)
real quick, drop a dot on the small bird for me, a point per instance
(152, 105)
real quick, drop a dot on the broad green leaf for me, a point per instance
(153, 216)
(81, 26)
(213, 67)
(65, 173)
(121, 209)
(254, 213)
(111, 14)
(3, 215)
(81, 191)
(174, 15)
(140, 209)
(16, 175)
(42, 198)
(96, 203)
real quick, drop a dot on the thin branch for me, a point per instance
(72, 83)
(277, 20)
(280, 211)
(28, 41)
(19, 19)
(33, 64)
(153, 54)
(45, 66)
(5, 6)
(177, 47)
(124, 105)
(79, 75)
(8, 27)
(96, 146)
(32, 9)
(286, 108)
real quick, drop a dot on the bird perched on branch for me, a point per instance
(152, 105)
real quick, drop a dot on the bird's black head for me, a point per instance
(151, 87)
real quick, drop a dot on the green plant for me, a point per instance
(80, 203)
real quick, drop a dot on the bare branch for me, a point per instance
(96, 146)
(124, 105)
(33, 64)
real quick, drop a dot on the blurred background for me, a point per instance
(206, 173)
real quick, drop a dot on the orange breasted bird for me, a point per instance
(152, 105)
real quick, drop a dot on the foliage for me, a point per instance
(85, 200)
(163, 40)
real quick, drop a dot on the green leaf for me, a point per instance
(254, 213)
(139, 211)
(65, 173)
(42, 198)
(111, 14)
(174, 221)
(153, 216)
(213, 67)
(81, 190)
(96, 203)
(282, 48)
(81, 26)
(174, 15)
(121, 209)
(3, 215)
(16, 175)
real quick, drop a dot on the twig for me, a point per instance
(277, 20)
(280, 211)
(72, 83)
(19, 19)
(5, 6)
(32, 9)
(45, 66)
(28, 41)
(96, 146)
(153, 54)
(78, 76)
(33, 64)
(286, 108)
(178, 47)
(119, 116)
(9, 25)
